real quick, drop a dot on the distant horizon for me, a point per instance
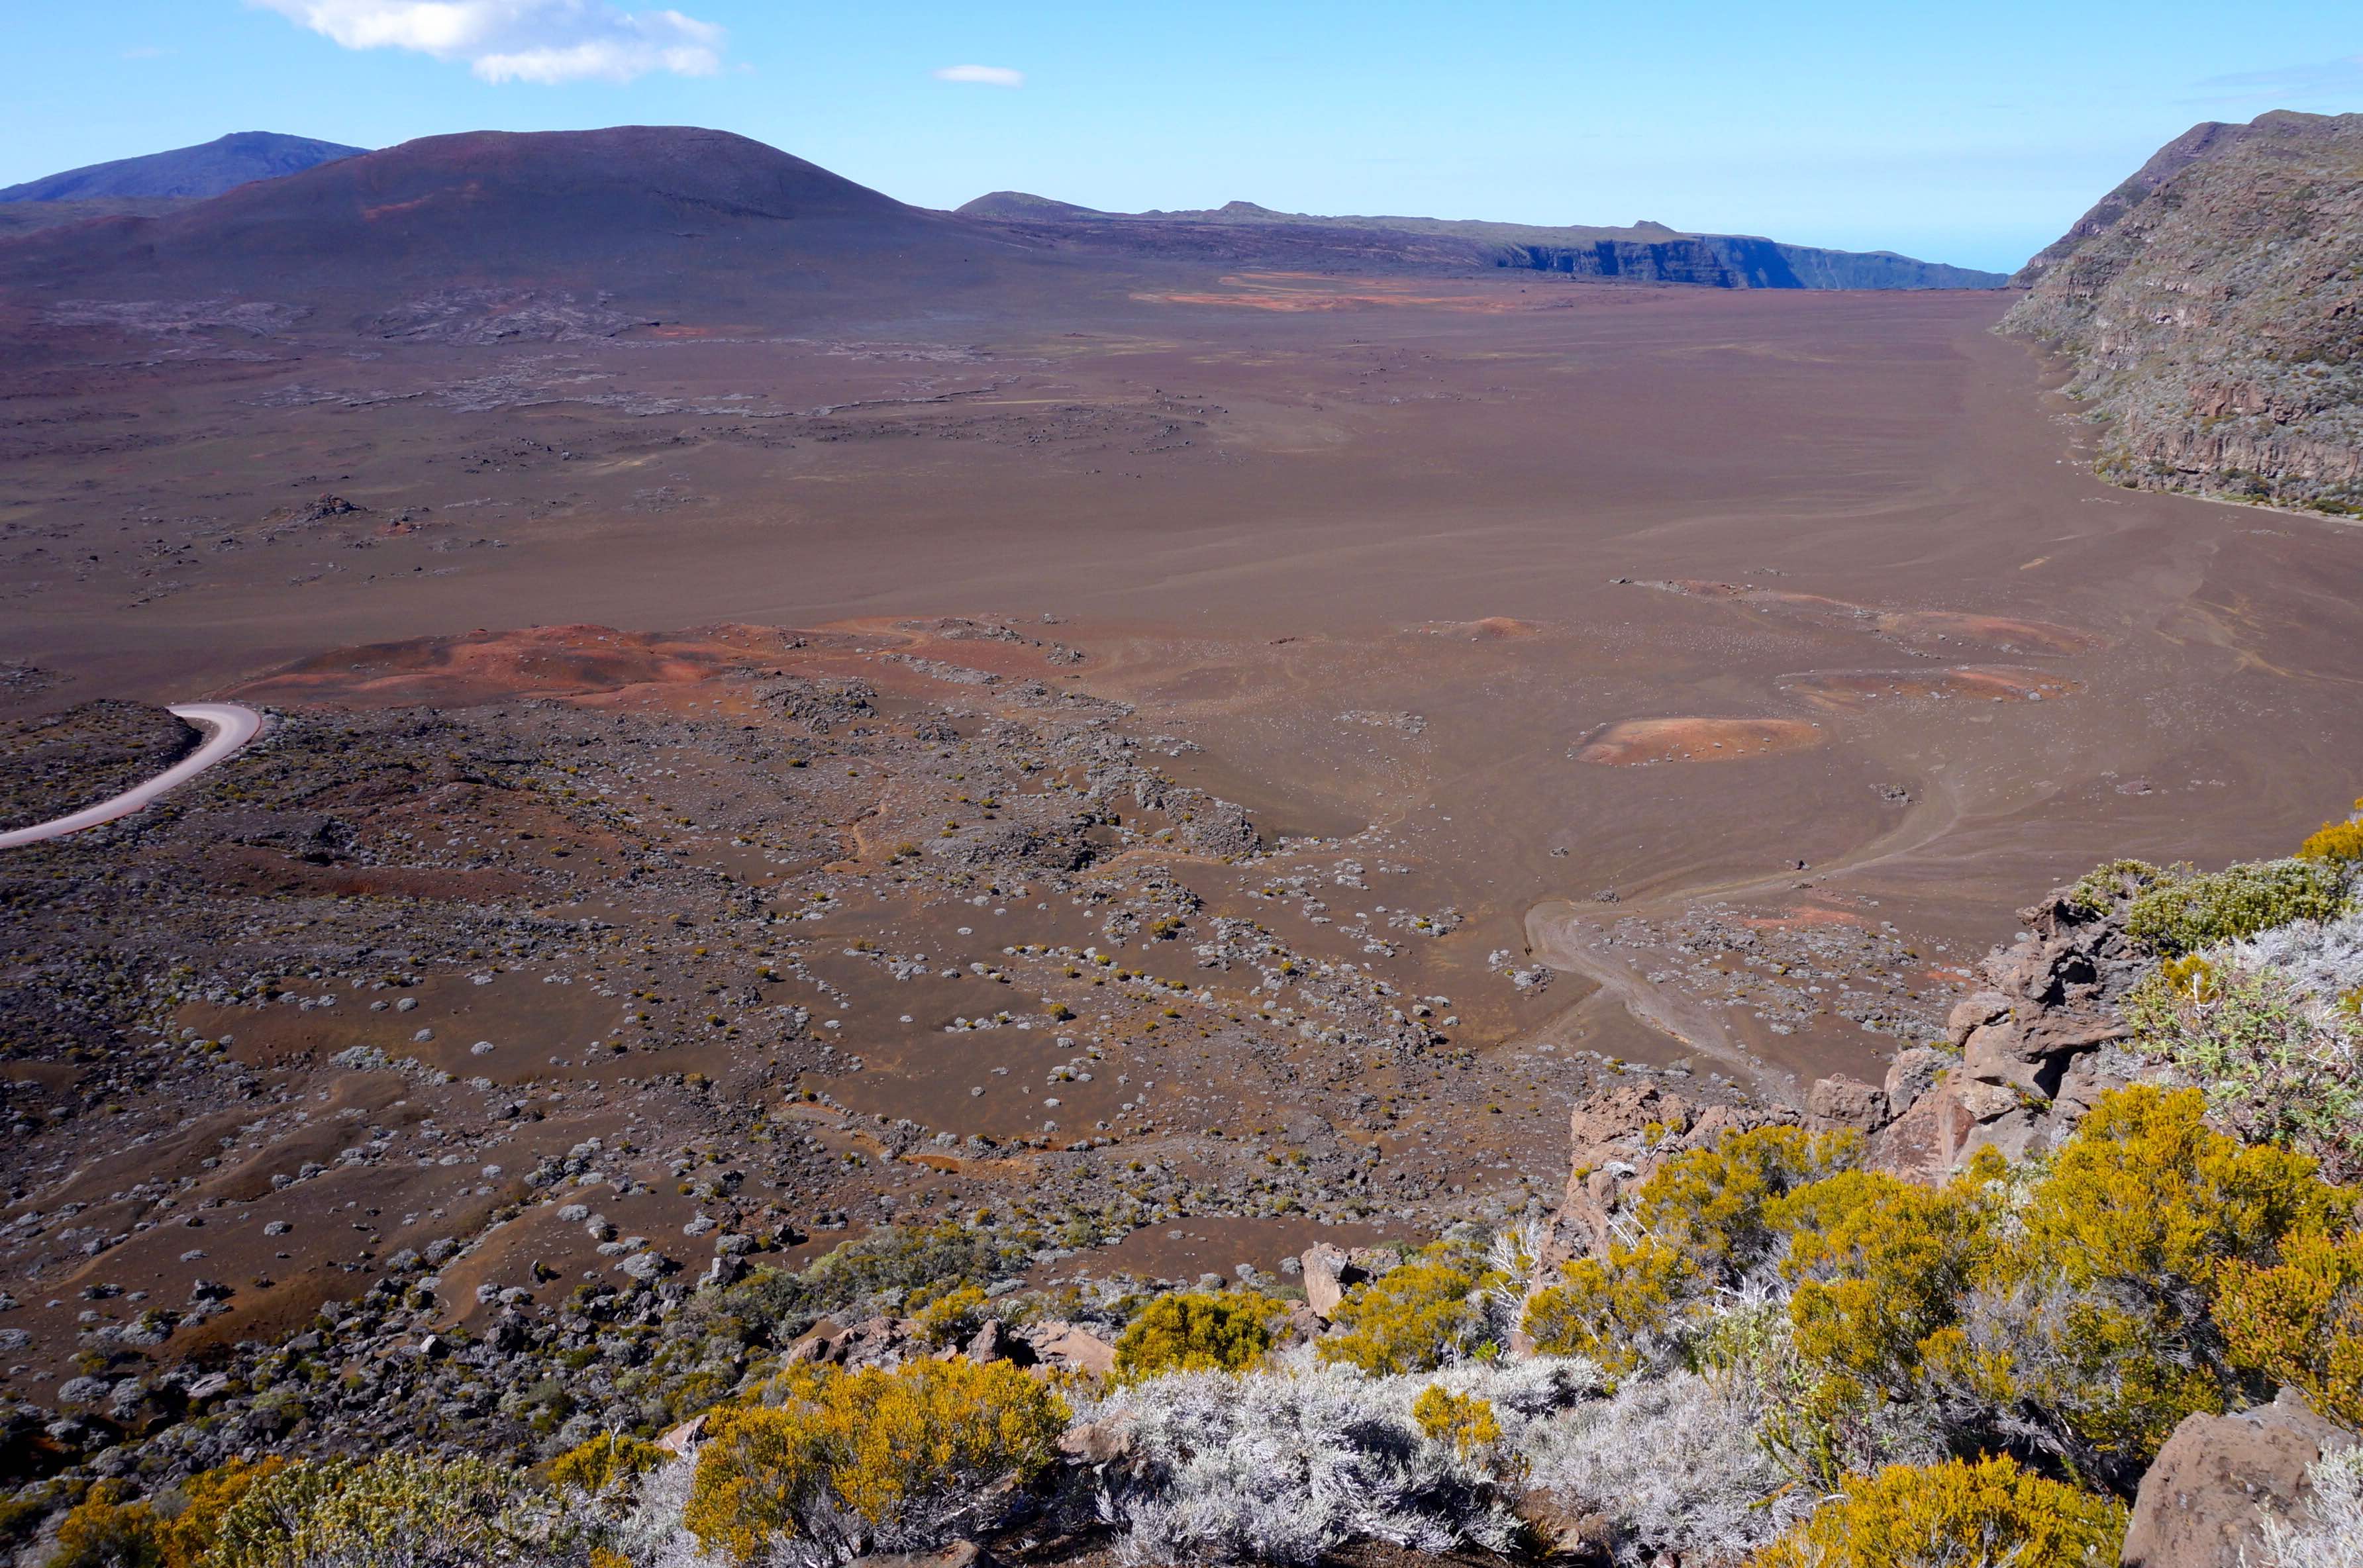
(1848, 127)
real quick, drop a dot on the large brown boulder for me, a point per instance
(2203, 1503)
(1328, 1275)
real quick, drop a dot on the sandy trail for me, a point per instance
(1563, 935)
(229, 726)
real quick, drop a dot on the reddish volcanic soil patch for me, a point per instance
(490, 666)
(1990, 683)
(1636, 743)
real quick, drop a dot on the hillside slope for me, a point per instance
(660, 220)
(2213, 307)
(207, 169)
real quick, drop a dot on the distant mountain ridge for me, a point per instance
(2213, 307)
(207, 169)
(547, 231)
(1646, 251)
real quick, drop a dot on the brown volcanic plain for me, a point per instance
(700, 686)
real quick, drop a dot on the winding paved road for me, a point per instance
(230, 726)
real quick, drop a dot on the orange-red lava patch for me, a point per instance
(1638, 742)
(1977, 683)
(487, 667)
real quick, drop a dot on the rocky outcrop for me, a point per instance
(1620, 1136)
(2029, 1050)
(2204, 1499)
(2215, 316)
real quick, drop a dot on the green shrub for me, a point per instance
(399, 1508)
(2184, 910)
(1989, 1514)
(1197, 1331)
(2275, 1070)
(893, 1460)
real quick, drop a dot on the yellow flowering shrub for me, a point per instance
(599, 1463)
(1989, 1514)
(954, 1317)
(1710, 1203)
(2340, 843)
(1211, 1330)
(204, 1499)
(1618, 1310)
(902, 1458)
(2301, 1322)
(1463, 1421)
(1413, 1318)
(1881, 1264)
(2091, 1321)
(103, 1530)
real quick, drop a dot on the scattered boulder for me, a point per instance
(681, 1439)
(1070, 1347)
(2203, 1502)
(1842, 1103)
(1328, 1275)
(1096, 1443)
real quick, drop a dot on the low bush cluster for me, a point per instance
(2181, 910)
(1197, 1331)
(833, 1463)
(1284, 1465)
(1991, 1513)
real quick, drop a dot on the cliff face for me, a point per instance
(1740, 262)
(2213, 306)
(1645, 252)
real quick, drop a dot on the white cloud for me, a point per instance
(547, 42)
(988, 75)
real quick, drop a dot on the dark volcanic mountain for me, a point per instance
(661, 219)
(2213, 306)
(207, 169)
(1244, 232)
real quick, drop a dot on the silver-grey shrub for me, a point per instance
(1285, 1465)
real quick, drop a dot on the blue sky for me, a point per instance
(1964, 134)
